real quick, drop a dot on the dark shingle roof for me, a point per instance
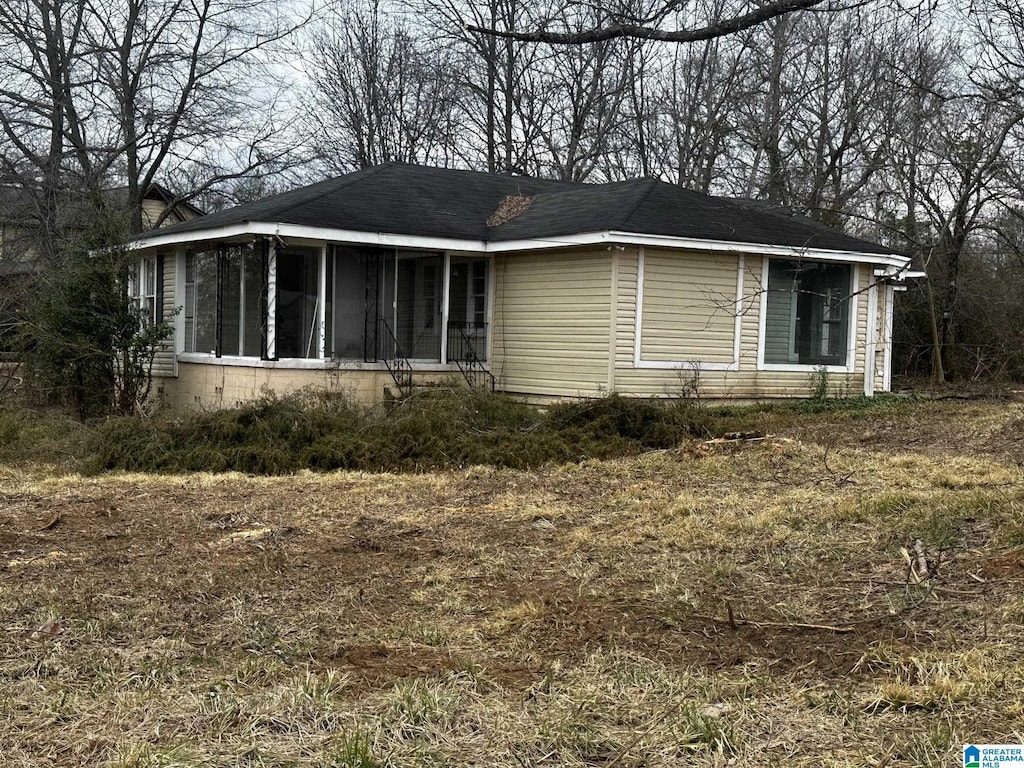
(403, 199)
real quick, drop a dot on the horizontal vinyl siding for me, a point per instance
(163, 362)
(551, 322)
(687, 307)
(747, 382)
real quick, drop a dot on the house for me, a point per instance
(402, 274)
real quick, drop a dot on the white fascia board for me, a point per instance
(270, 229)
(761, 249)
(299, 232)
(900, 274)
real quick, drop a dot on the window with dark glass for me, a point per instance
(808, 313)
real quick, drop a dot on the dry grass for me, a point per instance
(575, 616)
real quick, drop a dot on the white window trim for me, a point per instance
(851, 342)
(691, 365)
(136, 286)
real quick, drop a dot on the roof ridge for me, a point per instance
(651, 184)
(347, 179)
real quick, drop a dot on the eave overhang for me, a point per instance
(608, 238)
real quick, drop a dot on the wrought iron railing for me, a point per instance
(463, 341)
(397, 364)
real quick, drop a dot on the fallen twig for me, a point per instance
(736, 623)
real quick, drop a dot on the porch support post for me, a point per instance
(446, 271)
(890, 297)
(322, 304)
(272, 301)
(872, 335)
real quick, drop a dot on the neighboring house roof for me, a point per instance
(418, 201)
(17, 207)
(19, 211)
(183, 208)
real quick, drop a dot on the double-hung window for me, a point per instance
(144, 289)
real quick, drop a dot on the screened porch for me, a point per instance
(282, 301)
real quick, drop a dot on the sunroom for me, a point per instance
(308, 305)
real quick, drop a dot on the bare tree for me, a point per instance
(380, 94)
(100, 93)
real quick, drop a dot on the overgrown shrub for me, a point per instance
(437, 429)
(40, 436)
(83, 341)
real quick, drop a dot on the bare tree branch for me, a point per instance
(617, 30)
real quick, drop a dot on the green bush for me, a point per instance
(447, 427)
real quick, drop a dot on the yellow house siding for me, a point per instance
(164, 362)
(745, 383)
(625, 315)
(688, 307)
(551, 321)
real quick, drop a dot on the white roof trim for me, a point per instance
(158, 240)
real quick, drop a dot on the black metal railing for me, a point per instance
(391, 353)
(463, 341)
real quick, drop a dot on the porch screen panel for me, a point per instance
(231, 302)
(298, 317)
(780, 318)
(418, 305)
(467, 308)
(201, 302)
(349, 303)
(388, 309)
(252, 286)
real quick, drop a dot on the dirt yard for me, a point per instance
(847, 592)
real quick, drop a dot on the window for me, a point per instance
(144, 289)
(807, 318)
